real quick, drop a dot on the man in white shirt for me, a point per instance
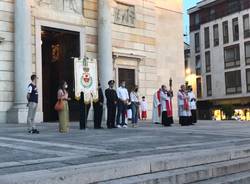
(123, 98)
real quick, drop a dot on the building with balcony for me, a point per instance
(220, 55)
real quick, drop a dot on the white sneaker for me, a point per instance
(119, 126)
(125, 126)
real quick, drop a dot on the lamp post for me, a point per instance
(170, 83)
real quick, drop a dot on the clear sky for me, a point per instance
(188, 4)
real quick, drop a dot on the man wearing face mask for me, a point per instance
(134, 97)
(112, 99)
(123, 98)
(98, 109)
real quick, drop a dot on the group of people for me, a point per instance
(162, 106)
(118, 101)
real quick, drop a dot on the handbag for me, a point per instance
(59, 105)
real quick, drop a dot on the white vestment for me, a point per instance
(156, 118)
(144, 106)
(192, 100)
(181, 111)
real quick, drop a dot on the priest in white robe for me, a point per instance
(156, 115)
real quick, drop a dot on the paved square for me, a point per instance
(23, 152)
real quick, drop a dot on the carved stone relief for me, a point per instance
(71, 6)
(124, 15)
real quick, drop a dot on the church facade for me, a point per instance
(140, 42)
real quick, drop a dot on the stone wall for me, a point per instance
(139, 41)
(6, 57)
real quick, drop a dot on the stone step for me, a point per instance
(196, 174)
(188, 166)
(238, 178)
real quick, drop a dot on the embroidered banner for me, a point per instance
(86, 79)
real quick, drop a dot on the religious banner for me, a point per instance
(86, 79)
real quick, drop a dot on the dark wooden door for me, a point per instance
(58, 48)
(127, 75)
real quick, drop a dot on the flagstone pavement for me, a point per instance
(23, 152)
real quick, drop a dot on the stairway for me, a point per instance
(227, 172)
(223, 165)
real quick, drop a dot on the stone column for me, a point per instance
(105, 43)
(23, 61)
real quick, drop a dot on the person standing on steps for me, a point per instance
(62, 94)
(98, 109)
(112, 100)
(123, 99)
(32, 97)
(84, 111)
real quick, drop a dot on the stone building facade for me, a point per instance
(137, 41)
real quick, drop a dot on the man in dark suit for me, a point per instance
(98, 109)
(84, 111)
(112, 99)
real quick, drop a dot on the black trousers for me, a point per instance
(185, 120)
(194, 117)
(84, 111)
(166, 121)
(111, 116)
(98, 110)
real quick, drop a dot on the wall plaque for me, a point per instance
(70, 6)
(124, 15)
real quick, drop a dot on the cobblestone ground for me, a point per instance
(22, 152)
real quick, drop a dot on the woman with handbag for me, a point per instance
(134, 98)
(62, 107)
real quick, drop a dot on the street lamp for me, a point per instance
(188, 71)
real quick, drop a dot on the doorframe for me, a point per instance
(39, 23)
(134, 63)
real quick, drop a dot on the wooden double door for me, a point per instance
(58, 47)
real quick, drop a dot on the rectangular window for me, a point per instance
(225, 32)
(232, 56)
(207, 61)
(198, 84)
(233, 82)
(246, 26)
(197, 19)
(248, 79)
(209, 85)
(247, 53)
(233, 6)
(197, 42)
(198, 65)
(206, 37)
(235, 26)
(212, 14)
(216, 35)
